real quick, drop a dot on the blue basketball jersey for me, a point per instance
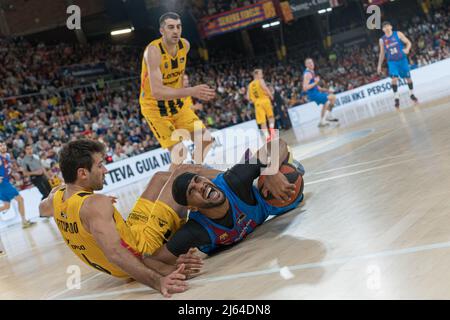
(245, 217)
(393, 47)
(5, 167)
(311, 81)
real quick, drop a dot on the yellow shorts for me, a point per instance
(152, 224)
(163, 127)
(263, 111)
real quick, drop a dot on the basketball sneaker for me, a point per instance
(414, 99)
(323, 125)
(331, 119)
(27, 224)
(2, 253)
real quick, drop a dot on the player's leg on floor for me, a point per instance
(411, 90)
(261, 118)
(264, 130)
(268, 110)
(396, 94)
(324, 114)
(332, 101)
(271, 128)
(25, 223)
(6, 205)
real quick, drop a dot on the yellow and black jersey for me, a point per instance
(80, 241)
(172, 70)
(256, 91)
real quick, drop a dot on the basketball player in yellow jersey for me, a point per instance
(260, 95)
(96, 232)
(163, 96)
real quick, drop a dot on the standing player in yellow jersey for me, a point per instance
(260, 95)
(96, 232)
(163, 96)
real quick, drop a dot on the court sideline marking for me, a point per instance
(388, 133)
(374, 168)
(52, 297)
(332, 262)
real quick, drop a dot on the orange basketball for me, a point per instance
(293, 176)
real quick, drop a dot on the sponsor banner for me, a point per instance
(230, 144)
(237, 19)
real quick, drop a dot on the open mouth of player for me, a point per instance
(211, 193)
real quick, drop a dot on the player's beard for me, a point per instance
(98, 184)
(210, 204)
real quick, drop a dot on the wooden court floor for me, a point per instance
(375, 225)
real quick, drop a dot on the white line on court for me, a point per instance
(372, 169)
(388, 133)
(378, 160)
(363, 146)
(332, 262)
(67, 289)
(362, 163)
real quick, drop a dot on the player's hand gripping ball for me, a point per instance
(294, 176)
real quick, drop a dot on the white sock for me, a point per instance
(327, 115)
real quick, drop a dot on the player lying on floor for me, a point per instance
(227, 208)
(96, 232)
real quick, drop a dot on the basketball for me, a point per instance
(293, 176)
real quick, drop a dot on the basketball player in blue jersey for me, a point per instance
(392, 46)
(317, 94)
(7, 190)
(227, 208)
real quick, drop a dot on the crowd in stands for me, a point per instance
(109, 111)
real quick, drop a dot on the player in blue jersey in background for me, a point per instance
(317, 94)
(395, 46)
(7, 190)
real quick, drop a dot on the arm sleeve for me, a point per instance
(191, 235)
(240, 179)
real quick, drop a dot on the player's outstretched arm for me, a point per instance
(381, 56)
(97, 217)
(152, 57)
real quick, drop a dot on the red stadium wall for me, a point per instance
(30, 16)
